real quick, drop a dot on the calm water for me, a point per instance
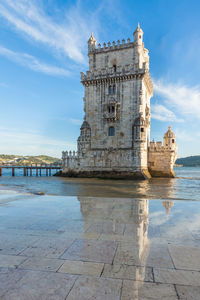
(185, 187)
(137, 225)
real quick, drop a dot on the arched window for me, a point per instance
(110, 90)
(115, 68)
(111, 131)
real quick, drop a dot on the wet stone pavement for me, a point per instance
(81, 248)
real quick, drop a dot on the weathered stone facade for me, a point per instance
(115, 134)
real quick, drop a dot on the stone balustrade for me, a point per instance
(112, 72)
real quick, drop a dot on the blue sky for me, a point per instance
(43, 48)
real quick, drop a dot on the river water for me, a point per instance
(186, 186)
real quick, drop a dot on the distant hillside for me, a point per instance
(190, 161)
(27, 160)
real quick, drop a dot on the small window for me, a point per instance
(173, 141)
(115, 68)
(110, 90)
(114, 89)
(142, 129)
(111, 131)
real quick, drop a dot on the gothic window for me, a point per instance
(111, 131)
(110, 90)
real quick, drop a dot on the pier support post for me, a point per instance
(13, 171)
(0, 171)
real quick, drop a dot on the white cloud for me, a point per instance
(33, 143)
(75, 121)
(67, 37)
(161, 113)
(179, 97)
(32, 63)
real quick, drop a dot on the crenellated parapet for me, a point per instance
(69, 154)
(69, 160)
(115, 45)
(156, 146)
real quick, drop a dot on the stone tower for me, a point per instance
(115, 135)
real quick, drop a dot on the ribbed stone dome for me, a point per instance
(169, 133)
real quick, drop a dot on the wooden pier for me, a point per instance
(28, 170)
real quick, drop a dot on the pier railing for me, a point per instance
(28, 170)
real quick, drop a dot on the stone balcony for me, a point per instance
(111, 72)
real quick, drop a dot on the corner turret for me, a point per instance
(91, 43)
(169, 139)
(138, 36)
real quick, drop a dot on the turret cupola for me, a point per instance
(169, 139)
(138, 36)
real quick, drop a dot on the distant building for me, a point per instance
(114, 138)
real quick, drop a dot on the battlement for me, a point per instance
(156, 146)
(69, 154)
(112, 46)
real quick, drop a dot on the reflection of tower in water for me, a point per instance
(125, 221)
(168, 205)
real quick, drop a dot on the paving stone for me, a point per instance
(11, 261)
(127, 272)
(50, 247)
(184, 257)
(114, 237)
(129, 254)
(8, 278)
(36, 285)
(159, 256)
(106, 227)
(13, 244)
(86, 288)
(81, 268)
(42, 264)
(137, 290)
(180, 277)
(188, 292)
(91, 250)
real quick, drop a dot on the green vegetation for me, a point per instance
(190, 161)
(27, 160)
